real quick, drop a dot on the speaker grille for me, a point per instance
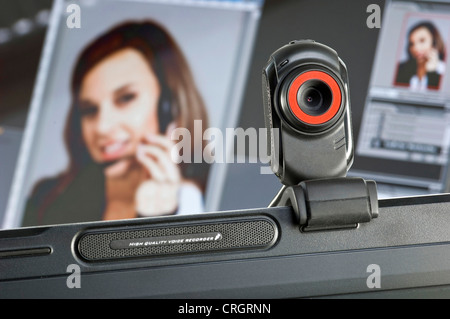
(96, 246)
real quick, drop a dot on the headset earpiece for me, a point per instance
(165, 111)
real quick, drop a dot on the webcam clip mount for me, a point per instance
(330, 204)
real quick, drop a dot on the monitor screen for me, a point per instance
(405, 130)
(125, 94)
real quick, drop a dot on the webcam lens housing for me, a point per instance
(311, 100)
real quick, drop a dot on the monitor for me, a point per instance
(404, 136)
(89, 152)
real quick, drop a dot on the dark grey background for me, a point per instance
(339, 24)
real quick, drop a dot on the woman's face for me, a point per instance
(118, 105)
(421, 44)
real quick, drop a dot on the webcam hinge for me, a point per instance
(329, 204)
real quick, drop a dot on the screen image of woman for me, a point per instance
(425, 64)
(131, 87)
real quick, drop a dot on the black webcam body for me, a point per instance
(307, 113)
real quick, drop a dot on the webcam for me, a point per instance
(307, 113)
(310, 142)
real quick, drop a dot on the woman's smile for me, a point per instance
(115, 150)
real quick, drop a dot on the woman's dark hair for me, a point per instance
(176, 81)
(438, 43)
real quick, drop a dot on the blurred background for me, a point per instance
(23, 25)
(341, 25)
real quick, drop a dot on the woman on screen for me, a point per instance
(426, 54)
(130, 88)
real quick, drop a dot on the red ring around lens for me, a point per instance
(335, 92)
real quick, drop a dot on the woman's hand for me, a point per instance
(158, 194)
(432, 61)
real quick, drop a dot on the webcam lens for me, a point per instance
(314, 97)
